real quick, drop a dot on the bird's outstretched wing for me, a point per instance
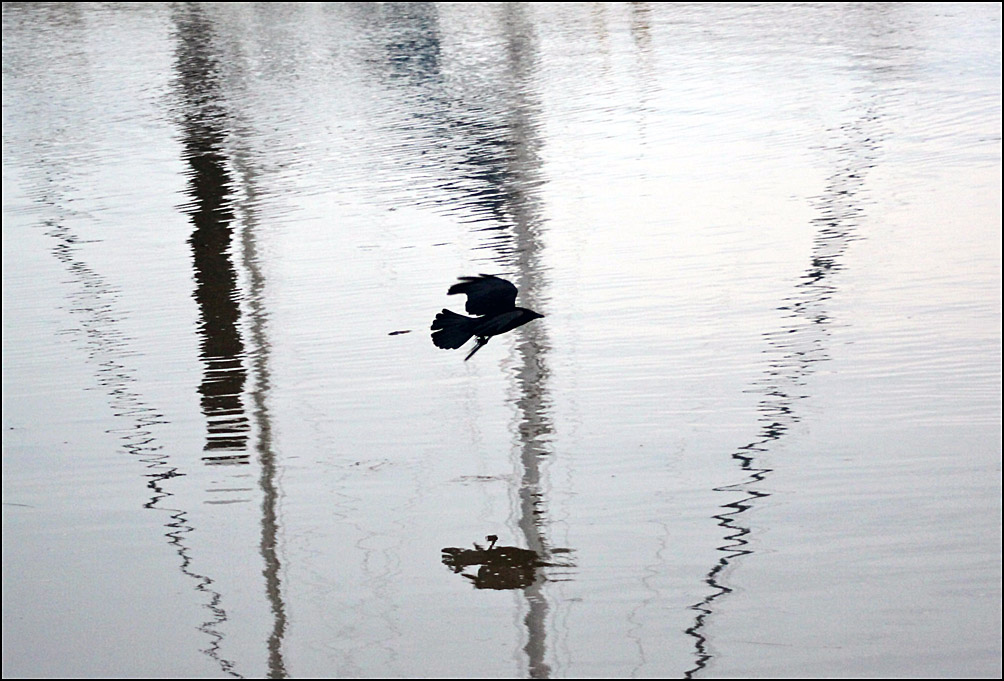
(486, 294)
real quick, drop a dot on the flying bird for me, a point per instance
(493, 302)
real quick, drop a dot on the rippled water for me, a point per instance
(758, 432)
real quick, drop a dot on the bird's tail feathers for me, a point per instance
(451, 330)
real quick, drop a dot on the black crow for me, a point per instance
(493, 300)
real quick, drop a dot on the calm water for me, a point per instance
(758, 432)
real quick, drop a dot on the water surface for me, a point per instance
(758, 432)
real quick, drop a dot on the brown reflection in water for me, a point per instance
(795, 349)
(211, 212)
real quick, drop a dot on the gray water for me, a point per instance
(757, 433)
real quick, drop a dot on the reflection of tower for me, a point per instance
(211, 213)
(520, 191)
(263, 447)
(492, 179)
(214, 248)
(504, 172)
(794, 350)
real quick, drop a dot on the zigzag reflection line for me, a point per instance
(106, 348)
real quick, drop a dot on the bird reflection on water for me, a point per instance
(501, 567)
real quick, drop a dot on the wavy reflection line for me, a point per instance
(268, 476)
(798, 345)
(519, 173)
(263, 444)
(107, 348)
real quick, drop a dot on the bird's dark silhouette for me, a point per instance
(493, 301)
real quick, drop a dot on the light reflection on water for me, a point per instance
(702, 199)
